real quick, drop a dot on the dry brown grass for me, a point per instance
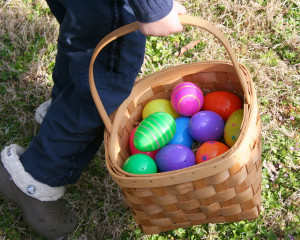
(22, 24)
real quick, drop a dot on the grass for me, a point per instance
(265, 37)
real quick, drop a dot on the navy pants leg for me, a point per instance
(72, 129)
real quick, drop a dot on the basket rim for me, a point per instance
(214, 165)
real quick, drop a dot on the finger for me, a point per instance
(179, 8)
(177, 28)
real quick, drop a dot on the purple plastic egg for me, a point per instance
(206, 126)
(173, 157)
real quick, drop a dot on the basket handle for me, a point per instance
(184, 19)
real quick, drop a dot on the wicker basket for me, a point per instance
(224, 189)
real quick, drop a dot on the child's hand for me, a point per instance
(165, 26)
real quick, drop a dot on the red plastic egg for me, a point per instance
(209, 150)
(222, 102)
(134, 150)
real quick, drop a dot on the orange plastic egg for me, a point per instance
(222, 102)
(209, 150)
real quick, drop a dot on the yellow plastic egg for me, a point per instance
(159, 105)
(232, 128)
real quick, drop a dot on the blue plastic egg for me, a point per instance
(182, 135)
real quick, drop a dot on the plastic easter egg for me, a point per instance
(154, 132)
(222, 102)
(187, 98)
(134, 150)
(232, 128)
(206, 126)
(209, 150)
(159, 105)
(173, 157)
(182, 135)
(140, 164)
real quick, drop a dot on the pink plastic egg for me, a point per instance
(187, 98)
(134, 150)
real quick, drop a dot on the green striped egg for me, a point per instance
(154, 132)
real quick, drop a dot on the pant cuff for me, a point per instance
(41, 111)
(24, 181)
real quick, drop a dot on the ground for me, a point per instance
(264, 36)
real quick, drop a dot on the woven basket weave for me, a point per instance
(224, 189)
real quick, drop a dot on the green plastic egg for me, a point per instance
(154, 132)
(140, 164)
(232, 127)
